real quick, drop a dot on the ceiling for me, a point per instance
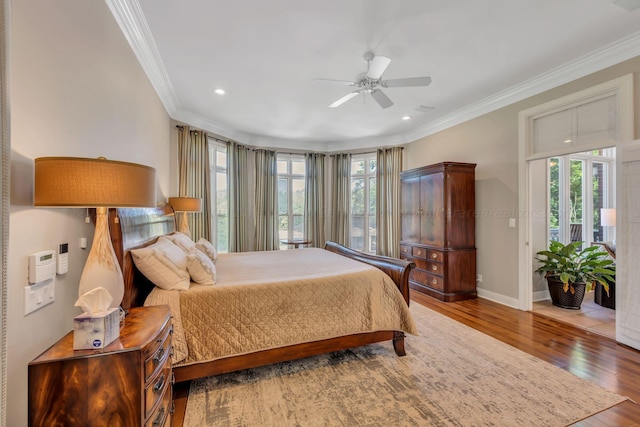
(480, 55)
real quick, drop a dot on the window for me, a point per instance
(363, 202)
(219, 195)
(291, 192)
(580, 185)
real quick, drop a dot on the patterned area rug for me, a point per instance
(452, 375)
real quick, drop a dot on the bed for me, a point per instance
(372, 308)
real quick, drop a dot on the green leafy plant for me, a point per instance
(570, 265)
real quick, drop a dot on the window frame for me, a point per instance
(369, 209)
(290, 177)
(216, 146)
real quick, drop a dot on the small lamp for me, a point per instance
(78, 182)
(608, 217)
(184, 205)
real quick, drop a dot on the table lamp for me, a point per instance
(184, 205)
(608, 219)
(68, 182)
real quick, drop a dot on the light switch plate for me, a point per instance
(39, 295)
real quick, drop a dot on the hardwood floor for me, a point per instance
(598, 359)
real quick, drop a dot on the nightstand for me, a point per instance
(128, 383)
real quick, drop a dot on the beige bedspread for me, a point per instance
(264, 300)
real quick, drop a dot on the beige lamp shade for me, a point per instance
(100, 183)
(80, 182)
(186, 204)
(608, 217)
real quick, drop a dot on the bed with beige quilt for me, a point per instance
(272, 306)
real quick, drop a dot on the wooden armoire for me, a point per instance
(438, 229)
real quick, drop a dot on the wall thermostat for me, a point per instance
(42, 266)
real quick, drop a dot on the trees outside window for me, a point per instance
(363, 202)
(291, 192)
(219, 195)
(580, 185)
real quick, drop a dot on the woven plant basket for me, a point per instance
(564, 299)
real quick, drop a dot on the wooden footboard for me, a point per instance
(397, 269)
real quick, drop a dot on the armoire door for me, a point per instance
(411, 209)
(432, 209)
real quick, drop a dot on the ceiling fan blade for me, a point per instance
(344, 99)
(377, 66)
(382, 99)
(424, 109)
(342, 82)
(407, 82)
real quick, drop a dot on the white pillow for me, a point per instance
(182, 241)
(201, 268)
(164, 263)
(205, 246)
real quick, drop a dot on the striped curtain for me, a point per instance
(266, 201)
(314, 199)
(341, 199)
(389, 166)
(238, 184)
(194, 178)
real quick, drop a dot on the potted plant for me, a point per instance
(569, 271)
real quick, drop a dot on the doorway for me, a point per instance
(576, 192)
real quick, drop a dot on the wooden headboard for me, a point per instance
(136, 228)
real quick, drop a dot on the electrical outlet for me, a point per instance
(479, 278)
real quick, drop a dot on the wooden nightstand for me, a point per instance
(128, 383)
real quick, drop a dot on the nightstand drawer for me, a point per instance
(158, 353)
(161, 417)
(156, 389)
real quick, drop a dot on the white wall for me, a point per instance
(76, 90)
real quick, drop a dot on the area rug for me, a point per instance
(452, 375)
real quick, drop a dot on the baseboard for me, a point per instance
(541, 295)
(499, 298)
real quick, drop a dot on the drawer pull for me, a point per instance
(158, 356)
(434, 267)
(434, 282)
(157, 388)
(158, 421)
(434, 256)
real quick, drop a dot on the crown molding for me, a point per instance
(130, 18)
(133, 24)
(611, 54)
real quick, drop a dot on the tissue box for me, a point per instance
(96, 331)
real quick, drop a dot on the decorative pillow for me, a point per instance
(205, 246)
(164, 263)
(182, 241)
(201, 268)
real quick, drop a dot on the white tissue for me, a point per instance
(95, 301)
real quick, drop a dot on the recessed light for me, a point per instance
(219, 91)
(406, 117)
(567, 141)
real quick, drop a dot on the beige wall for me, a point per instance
(76, 90)
(491, 141)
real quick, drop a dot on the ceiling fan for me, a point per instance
(371, 82)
